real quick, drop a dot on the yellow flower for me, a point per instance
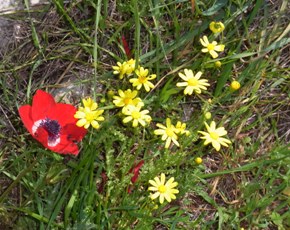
(235, 85)
(168, 133)
(216, 27)
(143, 79)
(130, 66)
(163, 190)
(181, 128)
(134, 114)
(127, 97)
(211, 47)
(121, 69)
(89, 103)
(89, 114)
(192, 82)
(213, 136)
(198, 160)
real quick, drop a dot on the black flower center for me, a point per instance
(52, 127)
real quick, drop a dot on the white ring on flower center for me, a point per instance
(37, 125)
(53, 143)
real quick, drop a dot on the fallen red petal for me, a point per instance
(135, 170)
(126, 47)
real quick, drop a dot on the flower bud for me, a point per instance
(207, 115)
(235, 85)
(218, 64)
(198, 160)
(110, 93)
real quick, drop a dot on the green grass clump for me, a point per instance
(69, 49)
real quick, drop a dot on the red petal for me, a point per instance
(74, 132)
(64, 147)
(41, 135)
(63, 113)
(71, 148)
(25, 115)
(42, 104)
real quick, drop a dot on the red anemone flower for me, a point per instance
(52, 124)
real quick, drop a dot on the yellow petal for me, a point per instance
(181, 84)
(162, 178)
(159, 132)
(213, 54)
(79, 114)
(155, 195)
(216, 145)
(167, 197)
(127, 119)
(95, 124)
(204, 41)
(219, 48)
(161, 198)
(152, 182)
(188, 73)
(81, 122)
(153, 189)
(168, 141)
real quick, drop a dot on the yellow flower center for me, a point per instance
(169, 132)
(210, 47)
(142, 79)
(162, 189)
(127, 100)
(136, 115)
(90, 116)
(192, 82)
(214, 135)
(217, 26)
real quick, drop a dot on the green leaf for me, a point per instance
(242, 55)
(277, 219)
(215, 8)
(278, 44)
(225, 75)
(167, 91)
